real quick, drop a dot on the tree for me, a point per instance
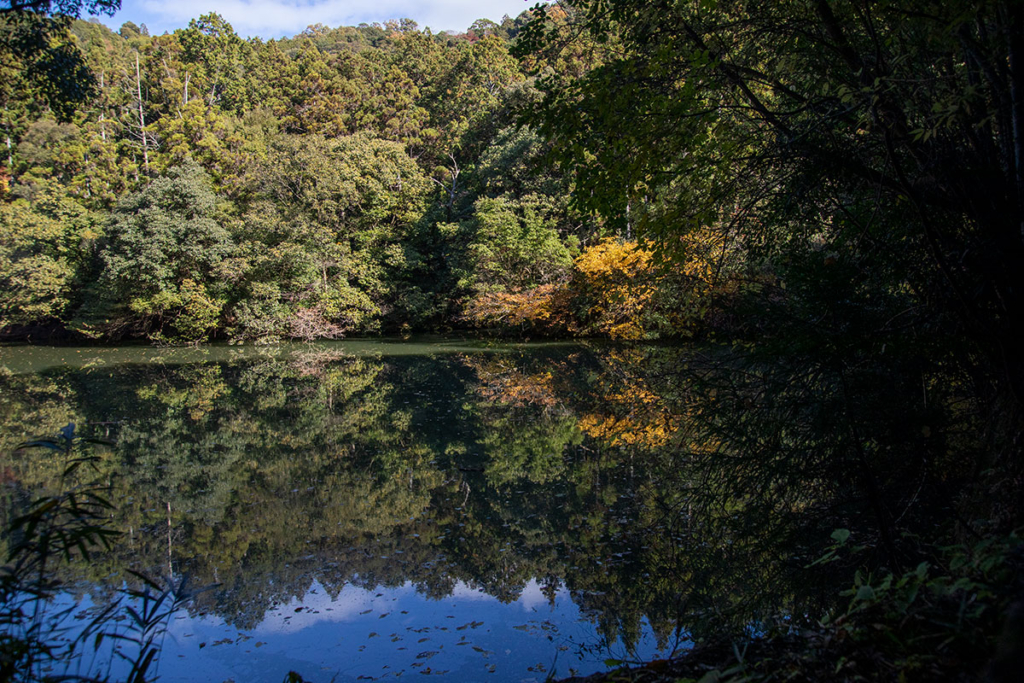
(481, 74)
(164, 247)
(220, 58)
(317, 93)
(34, 36)
(886, 138)
(206, 136)
(129, 30)
(45, 249)
(330, 246)
(515, 245)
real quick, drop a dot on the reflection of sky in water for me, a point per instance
(393, 632)
(260, 452)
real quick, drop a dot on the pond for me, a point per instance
(366, 510)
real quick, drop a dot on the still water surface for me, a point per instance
(366, 510)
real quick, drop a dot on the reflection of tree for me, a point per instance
(690, 489)
(628, 413)
(527, 426)
(28, 405)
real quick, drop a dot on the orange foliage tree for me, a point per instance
(544, 308)
(619, 289)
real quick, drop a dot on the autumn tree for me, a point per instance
(879, 138)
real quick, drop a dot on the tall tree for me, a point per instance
(164, 247)
(889, 135)
(34, 35)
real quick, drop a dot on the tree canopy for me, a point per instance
(884, 135)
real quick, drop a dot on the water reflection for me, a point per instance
(579, 502)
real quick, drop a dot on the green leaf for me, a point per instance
(840, 536)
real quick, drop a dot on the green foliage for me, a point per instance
(809, 127)
(41, 61)
(326, 190)
(46, 247)
(924, 624)
(164, 247)
(340, 248)
(515, 246)
(220, 58)
(836, 186)
(53, 529)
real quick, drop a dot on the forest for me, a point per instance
(826, 197)
(345, 181)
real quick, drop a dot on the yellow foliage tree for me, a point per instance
(621, 290)
(617, 281)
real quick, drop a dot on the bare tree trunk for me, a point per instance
(7, 132)
(103, 128)
(142, 114)
(213, 89)
(451, 190)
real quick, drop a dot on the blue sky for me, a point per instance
(277, 18)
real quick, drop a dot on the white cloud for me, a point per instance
(353, 603)
(276, 18)
(317, 606)
(533, 596)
